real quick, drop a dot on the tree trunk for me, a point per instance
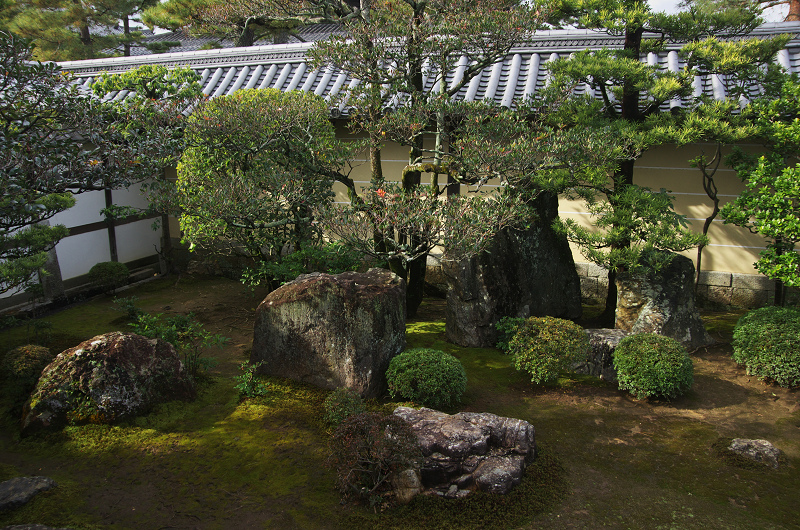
(126, 31)
(794, 11)
(246, 38)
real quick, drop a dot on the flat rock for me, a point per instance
(31, 527)
(19, 490)
(470, 451)
(757, 450)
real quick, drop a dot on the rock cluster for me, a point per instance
(333, 331)
(105, 379)
(470, 451)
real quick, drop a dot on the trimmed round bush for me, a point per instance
(651, 365)
(431, 377)
(547, 346)
(341, 404)
(108, 275)
(767, 342)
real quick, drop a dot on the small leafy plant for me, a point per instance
(128, 306)
(340, 405)
(186, 334)
(767, 342)
(431, 377)
(248, 384)
(546, 346)
(651, 365)
(332, 258)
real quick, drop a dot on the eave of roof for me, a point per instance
(518, 75)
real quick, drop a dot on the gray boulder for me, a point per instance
(105, 379)
(663, 303)
(757, 450)
(600, 357)
(333, 331)
(19, 490)
(523, 273)
(470, 451)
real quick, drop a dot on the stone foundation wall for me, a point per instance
(716, 289)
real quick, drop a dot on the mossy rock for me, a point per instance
(20, 370)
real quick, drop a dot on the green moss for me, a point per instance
(217, 461)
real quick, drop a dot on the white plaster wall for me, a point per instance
(137, 240)
(77, 254)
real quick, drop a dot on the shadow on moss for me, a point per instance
(542, 489)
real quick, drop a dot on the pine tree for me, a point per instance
(633, 96)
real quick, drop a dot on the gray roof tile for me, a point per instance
(518, 75)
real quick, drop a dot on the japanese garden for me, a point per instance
(399, 264)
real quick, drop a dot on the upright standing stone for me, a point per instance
(523, 273)
(663, 303)
(333, 330)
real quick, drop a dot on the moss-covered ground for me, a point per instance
(606, 459)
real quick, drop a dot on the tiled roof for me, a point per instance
(518, 75)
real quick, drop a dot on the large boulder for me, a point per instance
(333, 331)
(105, 379)
(663, 303)
(523, 273)
(470, 451)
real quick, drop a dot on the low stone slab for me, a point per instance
(32, 527)
(19, 490)
(757, 450)
(470, 451)
(600, 357)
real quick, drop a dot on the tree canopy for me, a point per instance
(54, 142)
(259, 164)
(635, 96)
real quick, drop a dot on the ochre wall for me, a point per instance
(731, 249)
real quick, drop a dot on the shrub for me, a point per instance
(547, 346)
(766, 342)
(108, 275)
(20, 370)
(331, 258)
(431, 377)
(653, 366)
(507, 328)
(341, 404)
(366, 449)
